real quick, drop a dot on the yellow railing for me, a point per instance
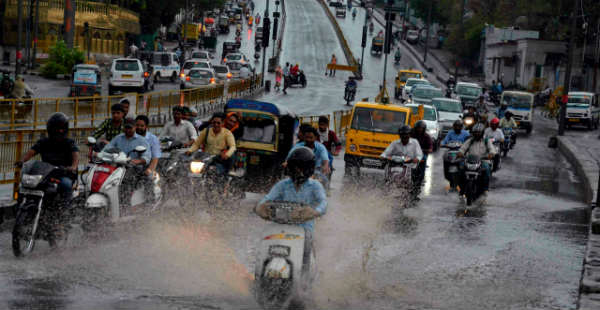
(90, 111)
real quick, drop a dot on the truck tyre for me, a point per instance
(156, 77)
(173, 77)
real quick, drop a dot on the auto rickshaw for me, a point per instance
(267, 136)
(229, 47)
(377, 45)
(86, 81)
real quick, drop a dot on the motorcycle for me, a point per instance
(205, 179)
(398, 175)
(473, 170)
(509, 141)
(349, 93)
(371, 28)
(282, 275)
(452, 162)
(256, 56)
(169, 164)
(449, 92)
(6, 84)
(495, 98)
(353, 15)
(294, 80)
(102, 181)
(238, 32)
(496, 162)
(40, 213)
(397, 59)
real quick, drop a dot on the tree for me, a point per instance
(440, 12)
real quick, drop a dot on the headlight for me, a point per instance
(196, 166)
(468, 121)
(432, 132)
(31, 180)
(352, 147)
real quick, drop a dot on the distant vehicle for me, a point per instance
(410, 83)
(235, 66)
(224, 24)
(582, 109)
(222, 73)
(235, 57)
(258, 35)
(401, 78)
(86, 80)
(468, 93)
(423, 95)
(201, 55)
(336, 4)
(520, 104)
(229, 47)
(126, 74)
(192, 32)
(197, 78)
(412, 36)
(194, 64)
(449, 111)
(164, 65)
(431, 118)
(377, 45)
(340, 12)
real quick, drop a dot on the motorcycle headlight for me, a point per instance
(352, 147)
(468, 121)
(197, 166)
(29, 180)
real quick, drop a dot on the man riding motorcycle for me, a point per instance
(217, 141)
(457, 134)
(419, 133)
(299, 187)
(141, 128)
(21, 89)
(508, 122)
(179, 129)
(351, 86)
(477, 145)
(111, 127)
(502, 110)
(406, 146)
(397, 55)
(57, 150)
(495, 134)
(309, 136)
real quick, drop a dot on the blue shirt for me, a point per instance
(152, 140)
(311, 193)
(453, 136)
(501, 112)
(320, 152)
(127, 145)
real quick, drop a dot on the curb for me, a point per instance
(588, 171)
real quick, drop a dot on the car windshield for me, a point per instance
(407, 75)
(517, 101)
(427, 93)
(220, 69)
(234, 57)
(195, 64)
(384, 121)
(447, 106)
(411, 83)
(579, 101)
(234, 66)
(127, 65)
(468, 90)
(428, 113)
(199, 55)
(200, 74)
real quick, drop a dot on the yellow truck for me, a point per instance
(404, 75)
(373, 127)
(192, 32)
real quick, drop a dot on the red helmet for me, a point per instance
(495, 121)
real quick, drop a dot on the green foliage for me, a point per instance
(440, 10)
(61, 59)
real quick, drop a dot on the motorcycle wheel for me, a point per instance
(470, 192)
(23, 240)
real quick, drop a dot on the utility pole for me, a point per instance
(404, 19)
(265, 40)
(35, 32)
(427, 34)
(18, 54)
(185, 23)
(69, 22)
(363, 43)
(596, 56)
(567, 82)
(462, 35)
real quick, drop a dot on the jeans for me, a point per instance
(223, 166)
(65, 187)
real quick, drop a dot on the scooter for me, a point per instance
(282, 275)
(452, 163)
(398, 175)
(102, 183)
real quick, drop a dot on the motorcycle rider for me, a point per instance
(309, 140)
(57, 150)
(141, 128)
(472, 112)
(406, 146)
(217, 141)
(179, 129)
(457, 134)
(21, 89)
(351, 85)
(502, 110)
(451, 82)
(299, 187)
(111, 127)
(494, 134)
(420, 134)
(329, 139)
(354, 13)
(477, 145)
(508, 122)
(371, 27)
(397, 55)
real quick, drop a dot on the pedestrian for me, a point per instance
(332, 62)
(133, 50)
(286, 74)
(278, 76)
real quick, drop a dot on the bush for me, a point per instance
(61, 60)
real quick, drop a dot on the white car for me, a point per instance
(201, 55)
(430, 118)
(449, 110)
(126, 74)
(235, 57)
(194, 64)
(410, 83)
(222, 72)
(412, 36)
(165, 65)
(198, 78)
(235, 66)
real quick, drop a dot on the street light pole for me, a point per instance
(462, 35)
(363, 43)
(266, 20)
(427, 34)
(35, 32)
(19, 37)
(567, 82)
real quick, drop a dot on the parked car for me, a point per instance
(126, 75)
(194, 64)
(222, 73)
(430, 117)
(449, 110)
(412, 36)
(198, 78)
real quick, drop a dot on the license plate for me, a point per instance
(25, 191)
(371, 162)
(126, 76)
(453, 169)
(575, 120)
(254, 159)
(102, 169)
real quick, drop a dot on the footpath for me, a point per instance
(582, 149)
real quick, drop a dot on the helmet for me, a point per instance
(508, 113)
(458, 123)
(478, 128)
(57, 121)
(404, 130)
(421, 124)
(300, 165)
(495, 121)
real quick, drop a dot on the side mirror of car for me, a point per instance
(91, 140)
(140, 149)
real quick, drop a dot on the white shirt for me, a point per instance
(182, 133)
(412, 150)
(497, 134)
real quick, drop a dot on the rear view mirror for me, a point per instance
(140, 149)
(91, 140)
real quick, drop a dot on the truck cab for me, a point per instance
(403, 76)
(373, 127)
(582, 109)
(520, 104)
